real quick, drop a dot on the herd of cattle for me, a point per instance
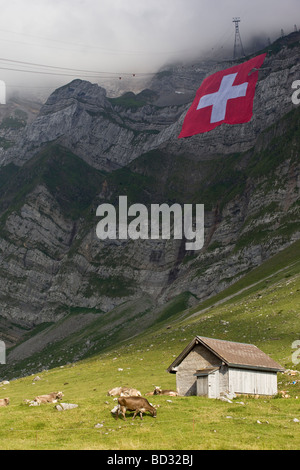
(129, 399)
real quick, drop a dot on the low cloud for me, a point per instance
(117, 37)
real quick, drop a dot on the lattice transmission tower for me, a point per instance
(238, 50)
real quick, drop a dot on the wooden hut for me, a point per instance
(213, 367)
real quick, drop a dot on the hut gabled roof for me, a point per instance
(231, 353)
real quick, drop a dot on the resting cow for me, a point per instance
(4, 401)
(50, 398)
(159, 391)
(124, 392)
(137, 404)
(130, 392)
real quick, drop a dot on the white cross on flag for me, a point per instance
(224, 97)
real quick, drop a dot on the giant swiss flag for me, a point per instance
(224, 97)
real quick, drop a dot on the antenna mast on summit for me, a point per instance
(238, 50)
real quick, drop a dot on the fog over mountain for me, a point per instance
(117, 37)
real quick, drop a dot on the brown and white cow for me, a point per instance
(50, 398)
(124, 392)
(4, 401)
(130, 392)
(170, 393)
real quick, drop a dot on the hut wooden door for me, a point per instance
(213, 385)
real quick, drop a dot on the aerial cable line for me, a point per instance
(97, 72)
(50, 73)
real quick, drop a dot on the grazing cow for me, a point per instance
(4, 401)
(170, 393)
(50, 398)
(137, 404)
(124, 392)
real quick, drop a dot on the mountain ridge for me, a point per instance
(84, 149)
(109, 133)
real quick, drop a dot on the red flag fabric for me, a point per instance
(224, 97)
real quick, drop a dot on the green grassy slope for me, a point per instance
(262, 308)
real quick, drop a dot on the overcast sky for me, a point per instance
(126, 36)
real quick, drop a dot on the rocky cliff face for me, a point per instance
(109, 133)
(81, 118)
(84, 148)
